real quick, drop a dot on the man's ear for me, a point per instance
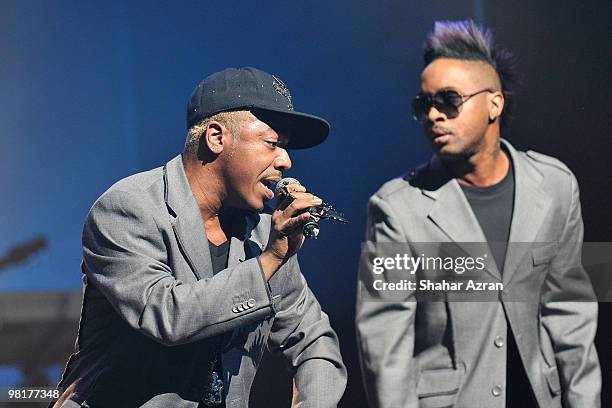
(215, 136)
(496, 105)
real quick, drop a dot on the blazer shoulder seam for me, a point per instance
(392, 187)
(548, 161)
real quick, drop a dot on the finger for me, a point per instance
(284, 201)
(296, 188)
(302, 201)
(283, 223)
(297, 202)
(302, 194)
(293, 223)
(289, 195)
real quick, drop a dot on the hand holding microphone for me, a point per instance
(286, 236)
(318, 212)
(295, 218)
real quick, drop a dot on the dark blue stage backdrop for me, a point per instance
(95, 91)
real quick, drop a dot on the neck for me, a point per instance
(485, 168)
(209, 192)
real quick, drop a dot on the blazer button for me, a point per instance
(499, 342)
(240, 308)
(251, 302)
(235, 309)
(496, 391)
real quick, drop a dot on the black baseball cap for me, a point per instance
(265, 94)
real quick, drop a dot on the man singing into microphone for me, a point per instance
(186, 281)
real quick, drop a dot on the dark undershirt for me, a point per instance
(219, 255)
(492, 207)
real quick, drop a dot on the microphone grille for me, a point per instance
(284, 183)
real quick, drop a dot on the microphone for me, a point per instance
(323, 211)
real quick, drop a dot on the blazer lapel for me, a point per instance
(187, 224)
(531, 204)
(240, 231)
(236, 251)
(452, 213)
(253, 245)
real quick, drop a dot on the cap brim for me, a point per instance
(304, 130)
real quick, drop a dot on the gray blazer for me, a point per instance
(153, 313)
(450, 353)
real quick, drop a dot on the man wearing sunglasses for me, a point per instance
(530, 344)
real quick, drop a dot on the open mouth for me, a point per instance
(269, 185)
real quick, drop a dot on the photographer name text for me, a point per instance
(437, 285)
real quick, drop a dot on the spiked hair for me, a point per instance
(464, 40)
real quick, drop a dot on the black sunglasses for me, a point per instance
(447, 102)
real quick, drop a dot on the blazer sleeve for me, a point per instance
(569, 314)
(384, 322)
(301, 332)
(125, 256)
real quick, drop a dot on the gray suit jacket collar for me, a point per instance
(189, 228)
(452, 213)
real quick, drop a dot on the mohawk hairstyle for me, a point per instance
(464, 40)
